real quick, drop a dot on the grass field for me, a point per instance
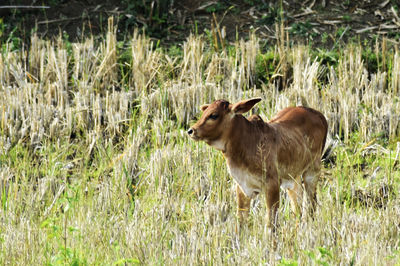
(96, 167)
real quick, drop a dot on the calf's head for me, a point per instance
(218, 119)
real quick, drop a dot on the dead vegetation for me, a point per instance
(95, 165)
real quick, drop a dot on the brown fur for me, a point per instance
(262, 156)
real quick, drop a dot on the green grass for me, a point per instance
(96, 167)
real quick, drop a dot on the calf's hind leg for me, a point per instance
(311, 177)
(295, 193)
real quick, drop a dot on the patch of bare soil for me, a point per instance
(319, 22)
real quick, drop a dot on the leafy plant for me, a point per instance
(322, 257)
(303, 29)
(216, 7)
(151, 16)
(273, 15)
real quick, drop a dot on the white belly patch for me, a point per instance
(287, 184)
(251, 184)
(248, 182)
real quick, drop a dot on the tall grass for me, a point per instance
(96, 168)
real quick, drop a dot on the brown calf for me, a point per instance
(262, 156)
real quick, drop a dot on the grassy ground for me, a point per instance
(96, 167)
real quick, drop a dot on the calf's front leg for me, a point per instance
(243, 204)
(272, 201)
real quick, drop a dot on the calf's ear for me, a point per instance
(244, 106)
(204, 107)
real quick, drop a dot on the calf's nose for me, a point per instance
(190, 131)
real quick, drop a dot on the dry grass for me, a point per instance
(96, 168)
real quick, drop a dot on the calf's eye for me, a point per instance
(213, 117)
